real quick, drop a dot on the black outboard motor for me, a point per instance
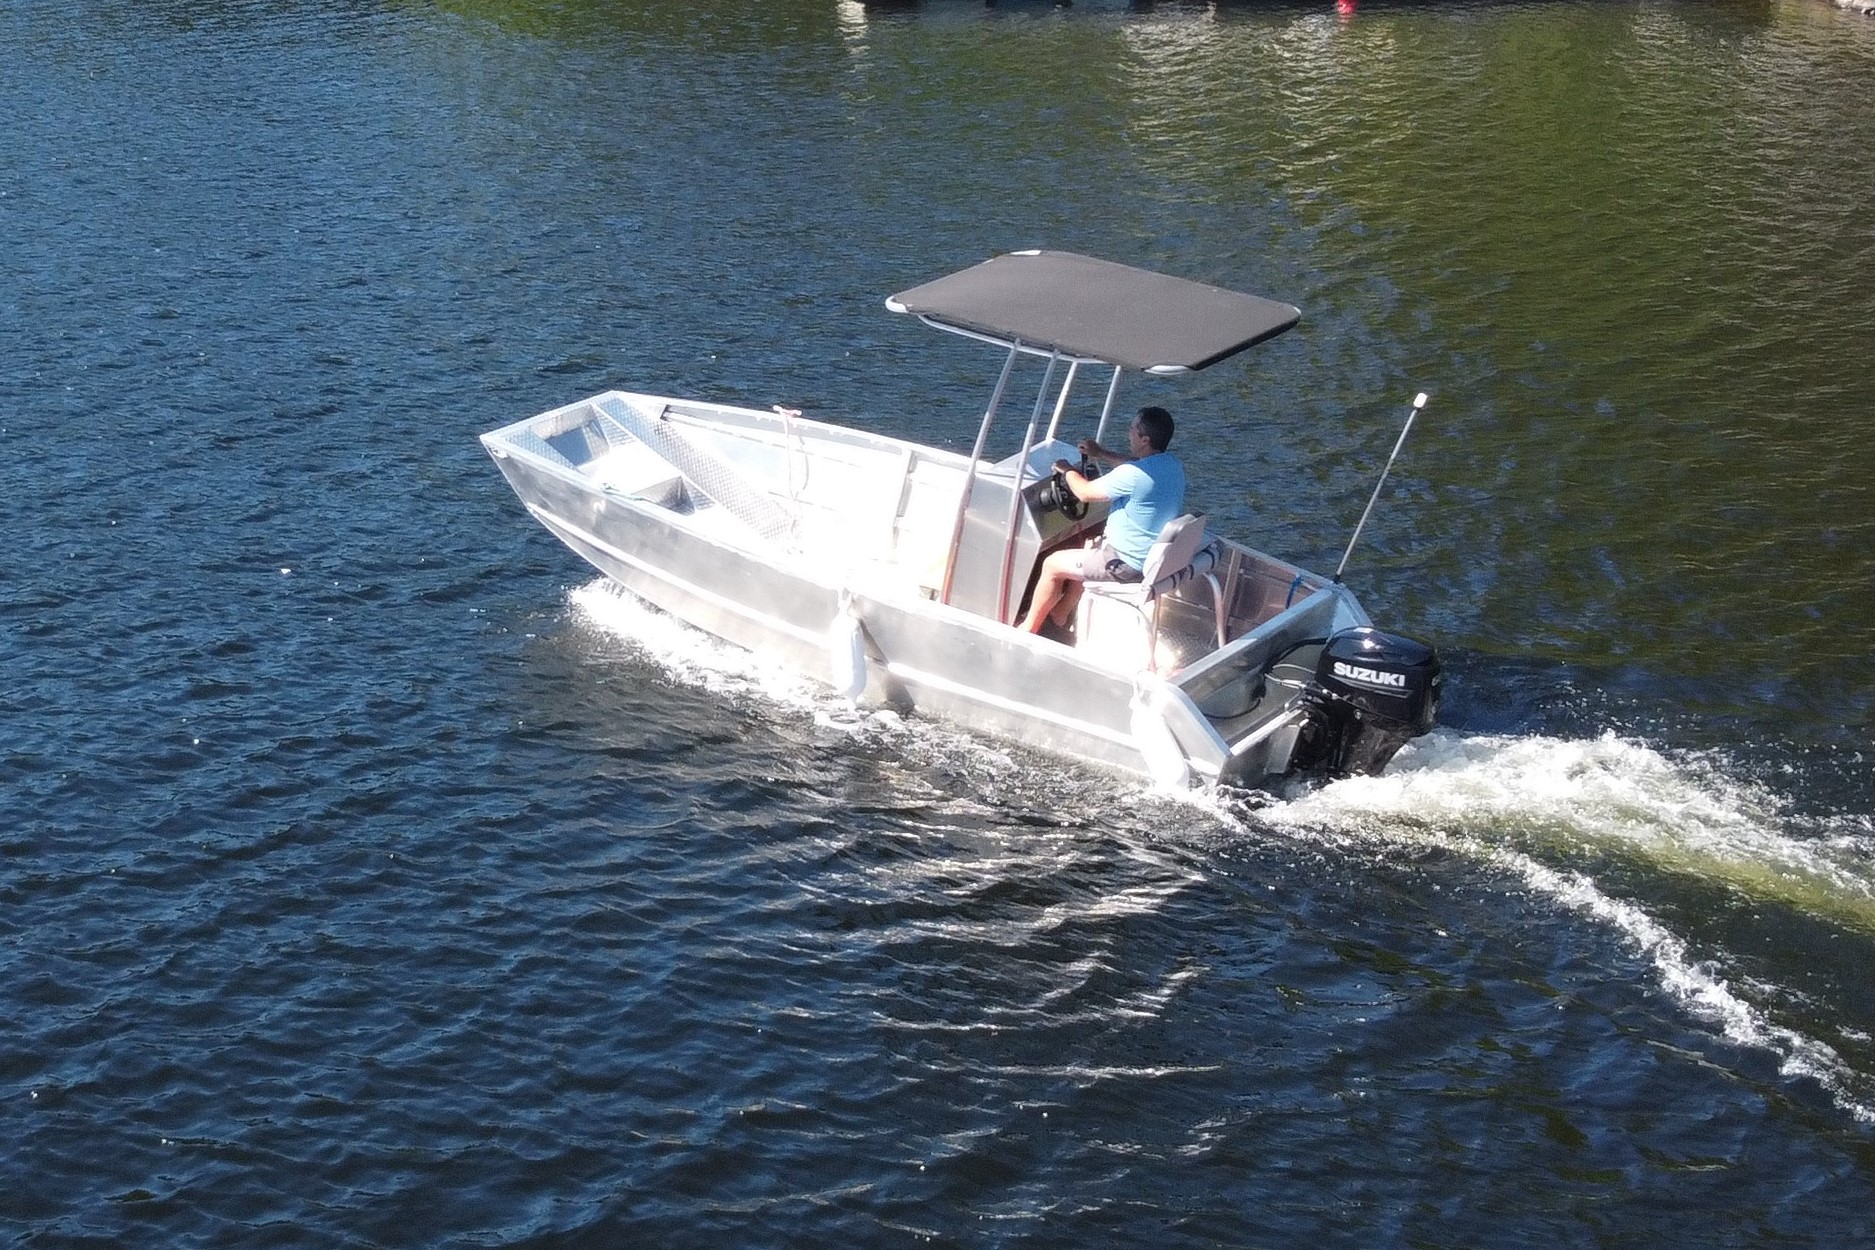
(1372, 693)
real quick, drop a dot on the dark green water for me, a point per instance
(368, 877)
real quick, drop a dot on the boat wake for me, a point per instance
(1541, 807)
(1560, 815)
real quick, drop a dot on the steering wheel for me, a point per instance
(1064, 499)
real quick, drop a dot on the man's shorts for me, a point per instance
(1103, 564)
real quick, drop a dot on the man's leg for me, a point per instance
(1060, 572)
(1070, 600)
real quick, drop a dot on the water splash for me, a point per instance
(691, 656)
(1609, 794)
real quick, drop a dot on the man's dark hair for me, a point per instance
(1156, 424)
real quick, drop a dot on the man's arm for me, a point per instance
(1085, 489)
(1123, 480)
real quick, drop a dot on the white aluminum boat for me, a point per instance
(894, 570)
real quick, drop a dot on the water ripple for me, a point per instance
(358, 852)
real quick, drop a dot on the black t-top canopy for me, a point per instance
(1096, 309)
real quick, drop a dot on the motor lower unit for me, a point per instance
(1373, 692)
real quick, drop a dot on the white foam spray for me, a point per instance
(1680, 814)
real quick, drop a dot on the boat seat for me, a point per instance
(631, 468)
(1180, 555)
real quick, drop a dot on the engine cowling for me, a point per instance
(1373, 692)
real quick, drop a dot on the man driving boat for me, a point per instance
(1147, 490)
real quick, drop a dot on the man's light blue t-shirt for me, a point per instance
(1147, 494)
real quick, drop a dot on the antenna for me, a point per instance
(1419, 401)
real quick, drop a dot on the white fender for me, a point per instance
(846, 651)
(1165, 759)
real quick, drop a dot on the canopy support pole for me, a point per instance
(1106, 411)
(1061, 402)
(970, 474)
(1015, 493)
